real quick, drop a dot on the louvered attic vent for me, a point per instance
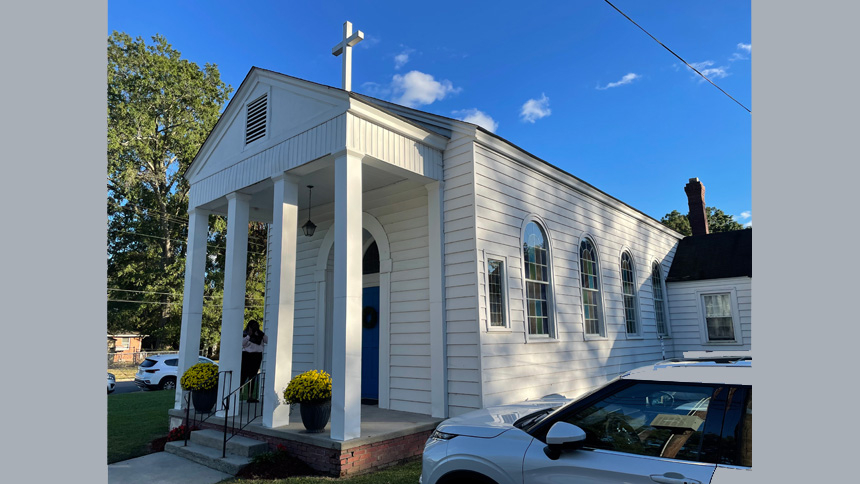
(255, 126)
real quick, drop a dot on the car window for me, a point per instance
(172, 362)
(203, 360)
(736, 445)
(147, 363)
(746, 434)
(653, 419)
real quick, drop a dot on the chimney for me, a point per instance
(696, 200)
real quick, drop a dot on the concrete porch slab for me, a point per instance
(376, 425)
(387, 437)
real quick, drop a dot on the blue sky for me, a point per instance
(574, 83)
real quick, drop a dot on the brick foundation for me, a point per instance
(347, 461)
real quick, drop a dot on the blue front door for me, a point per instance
(370, 344)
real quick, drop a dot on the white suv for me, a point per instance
(158, 372)
(686, 420)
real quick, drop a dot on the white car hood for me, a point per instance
(492, 421)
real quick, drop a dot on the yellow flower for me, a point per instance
(202, 376)
(313, 385)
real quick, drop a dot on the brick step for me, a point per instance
(208, 456)
(237, 445)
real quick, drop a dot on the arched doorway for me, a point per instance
(376, 267)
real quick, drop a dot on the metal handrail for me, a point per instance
(225, 384)
(254, 386)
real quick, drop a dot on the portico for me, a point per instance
(376, 177)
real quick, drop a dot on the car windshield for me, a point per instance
(147, 363)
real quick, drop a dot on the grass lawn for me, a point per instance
(402, 474)
(134, 420)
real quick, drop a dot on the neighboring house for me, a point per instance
(491, 275)
(124, 346)
(709, 286)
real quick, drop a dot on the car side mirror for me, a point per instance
(563, 436)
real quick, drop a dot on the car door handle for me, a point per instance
(673, 478)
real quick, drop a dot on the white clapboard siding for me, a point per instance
(401, 209)
(462, 348)
(506, 192)
(392, 147)
(687, 316)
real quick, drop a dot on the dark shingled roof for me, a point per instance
(713, 256)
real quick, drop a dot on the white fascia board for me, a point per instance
(237, 102)
(518, 155)
(379, 117)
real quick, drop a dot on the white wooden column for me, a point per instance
(346, 337)
(233, 314)
(438, 366)
(192, 300)
(281, 309)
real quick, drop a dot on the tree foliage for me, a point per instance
(718, 221)
(160, 110)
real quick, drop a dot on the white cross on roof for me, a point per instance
(345, 47)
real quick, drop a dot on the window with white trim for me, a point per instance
(591, 302)
(718, 317)
(537, 275)
(496, 292)
(659, 307)
(628, 293)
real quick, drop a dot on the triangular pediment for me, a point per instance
(291, 106)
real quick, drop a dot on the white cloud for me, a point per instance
(708, 71)
(416, 88)
(480, 118)
(627, 79)
(745, 48)
(748, 224)
(402, 58)
(534, 109)
(745, 215)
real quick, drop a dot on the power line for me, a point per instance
(679, 57)
(258, 241)
(218, 247)
(159, 302)
(168, 293)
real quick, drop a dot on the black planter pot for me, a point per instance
(315, 415)
(204, 400)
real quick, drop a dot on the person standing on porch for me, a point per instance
(253, 341)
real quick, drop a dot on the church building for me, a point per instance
(434, 267)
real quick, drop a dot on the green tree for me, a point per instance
(718, 221)
(160, 110)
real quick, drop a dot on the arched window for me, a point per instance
(589, 271)
(659, 307)
(370, 261)
(628, 291)
(536, 265)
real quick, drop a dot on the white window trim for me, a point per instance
(736, 320)
(506, 314)
(552, 337)
(601, 312)
(639, 334)
(257, 94)
(665, 302)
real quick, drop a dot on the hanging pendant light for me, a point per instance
(309, 227)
